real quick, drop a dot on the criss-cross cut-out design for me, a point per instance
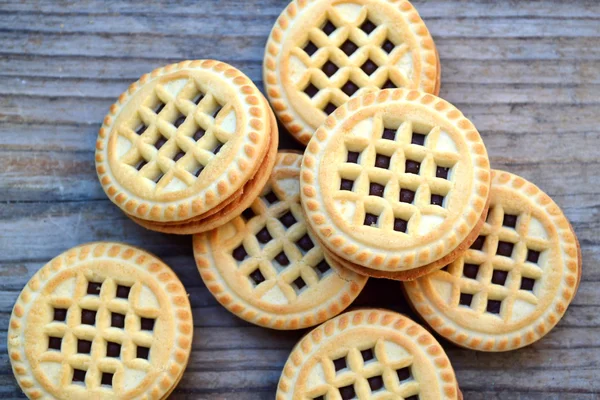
(344, 55)
(362, 373)
(99, 332)
(502, 266)
(175, 133)
(399, 179)
(278, 255)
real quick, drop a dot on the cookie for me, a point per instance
(395, 184)
(515, 282)
(265, 267)
(368, 353)
(183, 143)
(102, 320)
(323, 52)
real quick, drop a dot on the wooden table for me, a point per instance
(526, 73)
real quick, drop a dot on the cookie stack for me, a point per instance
(187, 147)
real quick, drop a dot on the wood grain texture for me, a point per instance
(527, 73)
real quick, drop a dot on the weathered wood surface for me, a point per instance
(526, 73)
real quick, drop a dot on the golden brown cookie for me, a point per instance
(396, 183)
(265, 266)
(102, 320)
(368, 354)
(515, 282)
(182, 142)
(323, 52)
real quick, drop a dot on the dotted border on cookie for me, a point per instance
(253, 314)
(368, 317)
(360, 254)
(120, 252)
(273, 86)
(537, 329)
(231, 180)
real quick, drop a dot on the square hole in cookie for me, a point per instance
(199, 134)
(371, 220)
(60, 314)
(322, 268)
(282, 259)
(142, 352)
(375, 189)
(533, 256)
(288, 219)
(505, 248)
(329, 108)
(389, 84)
(494, 306)
(310, 48)
(299, 284)
(389, 134)
(218, 147)
(340, 364)
(509, 221)
(271, 197)
(470, 271)
(107, 379)
(256, 277)
(400, 225)
(407, 196)
(240, 253)
(248, 214)
(418, 139)
(368, 26)
(368, 354)
(478, 243)
(264, 236)
(123, 291)
(160, 142)
(442, 172)
(375, 383)
(382, 161)
(84, 346)
(527, 284)
(388, 46)
(198, 98)
(328, 27)
(178, 155)
(141, 164)
(179, 120)
(113, 349)
(404, 374)
(353, 157)
(311, 90)
(147, 324)
(346, 184)
(117, 320)
(88, 317)
(305, 243)
(350, 88)
(158, 107)
(499, 277)
(93, 288)
(329, 69)
(349, 47)
(347, 392)
(159, 177)
(217, 110)
(437, 200)
(413, 397)
(78, 375)
(54, 343)
(369, 67)
(465, 299)
(412, 167)
(141, 128)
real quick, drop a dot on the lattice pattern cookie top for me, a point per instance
(395, 180)
(323, 52)
(181, 140)
(514, 283)
(267, 268)
(104, 321)
(368, 354)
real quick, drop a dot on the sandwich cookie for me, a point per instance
(323, 52)
(184, 146)
(395, 184)
(102, 321)
(515, 282)
(368, 354)
(267, 268)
